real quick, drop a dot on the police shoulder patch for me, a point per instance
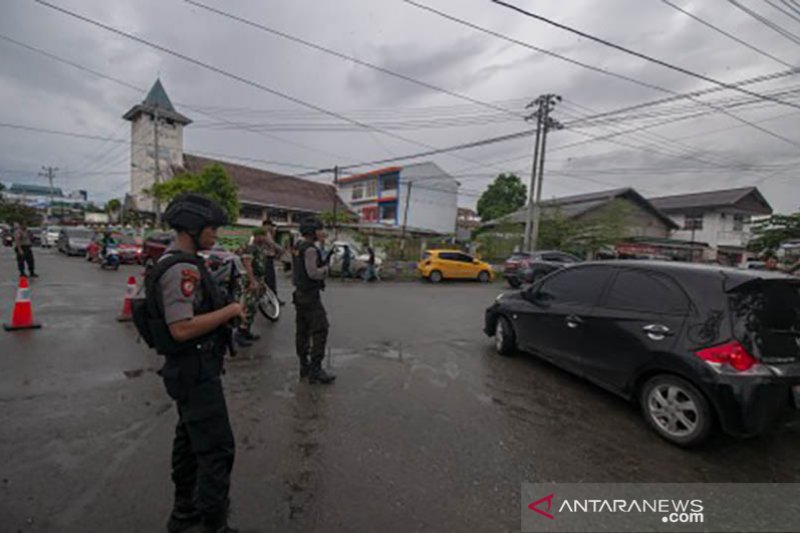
(189, 280)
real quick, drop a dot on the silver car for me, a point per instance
(74, 241)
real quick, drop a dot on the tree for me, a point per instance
(213, 182)
(113, 206)
(342, 217)
(506, 195)
(585, 236)
(770, 233)
(15, 212)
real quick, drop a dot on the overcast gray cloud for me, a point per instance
(38, 91)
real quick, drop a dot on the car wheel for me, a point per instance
(505, 341)
(514, 283)
(483, 277)
(435, 276)
(676, 410)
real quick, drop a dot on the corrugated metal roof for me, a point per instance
(262, 187)
(157, 100)
(37, 190)
(574, 206)
(713, 199)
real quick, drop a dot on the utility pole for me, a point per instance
(405, 214)
(546, 104)
(49, 173)
(156, 201)
(335, 202)
(526, 244)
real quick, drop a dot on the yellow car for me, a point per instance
(437, 265)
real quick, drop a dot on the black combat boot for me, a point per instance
(305, 368)
(217, 523)
(184, 516)
(316, 374)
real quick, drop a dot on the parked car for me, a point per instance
(153, 246)
(527, 267)
(128, 249)
(437, 265)
(49, 236)
(358, 259)
(74, 240)
(693, 345)
(36, 236)
(7, 233)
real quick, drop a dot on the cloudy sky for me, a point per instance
(754, 141)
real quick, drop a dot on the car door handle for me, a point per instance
(657, 332)
(573, 321)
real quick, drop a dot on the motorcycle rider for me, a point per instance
(309, 270)
(191, 332)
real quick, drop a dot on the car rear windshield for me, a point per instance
(767, 319)
(518, 256)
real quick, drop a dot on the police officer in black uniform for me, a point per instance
(190, 328)
(309, 270)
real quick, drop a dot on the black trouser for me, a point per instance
(203, 449)
(23, 258)
(312, 326)
(269, 275)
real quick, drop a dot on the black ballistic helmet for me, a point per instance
(191, 212)
(310, 225)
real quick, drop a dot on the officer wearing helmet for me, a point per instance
(191, 332)
(309, 270)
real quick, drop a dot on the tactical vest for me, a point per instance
(158, 332)
(300, 276)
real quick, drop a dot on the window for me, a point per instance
(635, 290)
(389, 212)
(389, 183)
(739, 221)
(693, 222)
(464, 258)
(577, 285)
(449, 256)
(559, 258)
(369, 214)
(372, 189)
(357, 191)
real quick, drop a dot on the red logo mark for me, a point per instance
(549, 500)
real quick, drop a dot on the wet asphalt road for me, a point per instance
(425, 429)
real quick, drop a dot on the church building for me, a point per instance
(157, 154)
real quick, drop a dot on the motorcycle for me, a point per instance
(110, 259)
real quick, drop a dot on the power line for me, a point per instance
(233, 76)
(350, 58)
(140, 90)
(639, 54)
(726, 34)
(677, 95)
(766, 22)
(782, 10)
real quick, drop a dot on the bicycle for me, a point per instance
(268, 304)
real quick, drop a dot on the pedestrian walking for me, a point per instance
(186, 320)
(309, 271)
(272, 252)
(24, 250)
(254, 258)
(347, 257)
(369, 273)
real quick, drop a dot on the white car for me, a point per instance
(358, 259)
(50, 236)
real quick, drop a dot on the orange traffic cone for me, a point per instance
(130, 293)
(22, 317)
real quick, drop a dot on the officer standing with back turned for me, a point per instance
(309, 270)
(190, 328)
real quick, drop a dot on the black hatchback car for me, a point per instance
(527, 267)
(693, 345)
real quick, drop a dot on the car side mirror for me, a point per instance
(538, 296)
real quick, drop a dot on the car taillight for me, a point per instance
(731, 353)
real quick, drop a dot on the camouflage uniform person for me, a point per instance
(254, 257)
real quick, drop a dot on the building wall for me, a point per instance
(170, 140)
(433, 202)
(718, 230)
